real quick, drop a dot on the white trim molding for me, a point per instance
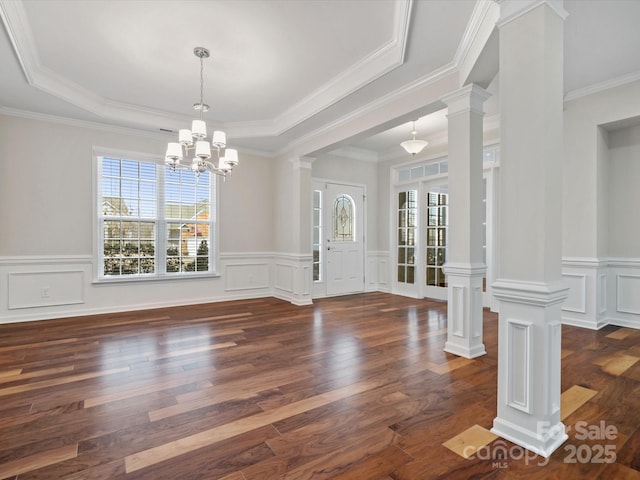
(624, 292)
(293, 278)
(530, 293)
(513, 9)
(603, 291)
(389, 56)
(585, 306)
(377, 272)
(529, 356)
(55, 286)
(464, 296)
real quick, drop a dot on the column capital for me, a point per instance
(465, 269)
(512, 9)
(302, 162)
(467, 99)
(530, 293)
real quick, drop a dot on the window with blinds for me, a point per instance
(152, 221)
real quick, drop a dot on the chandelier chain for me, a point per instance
(201, 87)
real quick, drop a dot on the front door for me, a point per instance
(344, 248)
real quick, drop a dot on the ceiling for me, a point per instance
(279, 69)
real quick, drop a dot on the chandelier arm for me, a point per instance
(216, 170)
(187, 144)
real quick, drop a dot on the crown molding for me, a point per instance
(103, 127)
(42, 78)
(513, 9)
(72, 122)
(433, 77)
(602, 86)
(481, 10)
(387, 57)
(14, 19)
(383, 60)
(302, 162)
(355, 153)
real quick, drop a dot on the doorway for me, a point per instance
(339, 238)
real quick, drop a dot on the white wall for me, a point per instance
(47, 226)
(583, 144)
(601, 257)
(624, 193)
(291, 218)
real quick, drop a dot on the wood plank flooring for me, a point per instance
(354, 387)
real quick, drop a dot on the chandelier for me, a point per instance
(414, 146)
(194, 141)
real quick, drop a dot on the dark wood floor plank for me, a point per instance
(19, 466)
(355, 387)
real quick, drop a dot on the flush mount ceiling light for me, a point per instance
(414, 146)
(195, 140)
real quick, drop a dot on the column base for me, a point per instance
(529, 361)
(464, 309)
(541, 443)
(461, 351)
(292, 279)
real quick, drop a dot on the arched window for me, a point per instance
(343, 219)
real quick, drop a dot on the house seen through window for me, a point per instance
(153, 221)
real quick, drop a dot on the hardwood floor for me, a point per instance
(354, 387)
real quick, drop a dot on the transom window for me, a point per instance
(152, 221)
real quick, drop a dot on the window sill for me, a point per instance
(155, 278)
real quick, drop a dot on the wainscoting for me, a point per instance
(602, 292)
(39, 288)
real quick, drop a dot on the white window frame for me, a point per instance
(433, 170)
(160, 220)
(318, 231)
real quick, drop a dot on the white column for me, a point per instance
(529, 285)
(465, 266)
(301, 208)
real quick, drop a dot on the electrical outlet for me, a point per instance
(45, 292)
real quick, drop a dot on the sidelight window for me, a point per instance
(407, 211)
(437, 226)
(317, 235)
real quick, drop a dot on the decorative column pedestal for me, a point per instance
(464, 309)
(302, 260)
(529, 286)
(465, 268)
(529, 352)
